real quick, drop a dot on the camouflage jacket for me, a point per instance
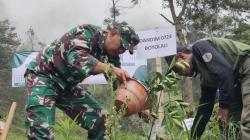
(71, 59)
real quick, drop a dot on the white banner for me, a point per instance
(156, 43)
(20, 62)
(21, 59)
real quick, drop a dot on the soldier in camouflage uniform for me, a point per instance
(52, 78)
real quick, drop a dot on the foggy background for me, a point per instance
(50, 19)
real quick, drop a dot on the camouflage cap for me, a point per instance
(129, 39)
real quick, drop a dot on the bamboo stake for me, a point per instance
(158, 128)
(9, 121)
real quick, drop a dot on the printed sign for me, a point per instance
(19, 65)
(156, 43)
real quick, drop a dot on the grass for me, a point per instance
(122, 135)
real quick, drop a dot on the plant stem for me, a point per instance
(155, 118)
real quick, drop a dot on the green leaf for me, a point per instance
(173, 113)
(177, 122)
(171, 64)
(154, 115)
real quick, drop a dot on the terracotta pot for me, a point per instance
(136, 96)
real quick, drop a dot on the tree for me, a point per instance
(242, 33)
(8, 38)
(116, 10)
(205, 17)
(176, 18)
(177, 21)
(32, 42)
(8, 41)
(213, 17)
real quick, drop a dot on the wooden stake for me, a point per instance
(9, 121)
(160, 98)
(158, 129)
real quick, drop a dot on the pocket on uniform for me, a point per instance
(36, 100)
(43, 90)
(40, 110)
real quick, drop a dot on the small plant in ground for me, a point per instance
(65, 127)
(174, 109)
(113, 120)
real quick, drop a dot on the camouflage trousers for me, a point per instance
(43, 96)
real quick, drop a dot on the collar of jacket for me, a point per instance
(101, 40)
(194, 72)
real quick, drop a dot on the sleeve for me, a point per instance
(219, 66)
(82, 61)
(204, 111)
(76, 50)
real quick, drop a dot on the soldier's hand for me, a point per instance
(222, 116)
(122, 75)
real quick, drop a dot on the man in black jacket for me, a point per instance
(224, 66)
